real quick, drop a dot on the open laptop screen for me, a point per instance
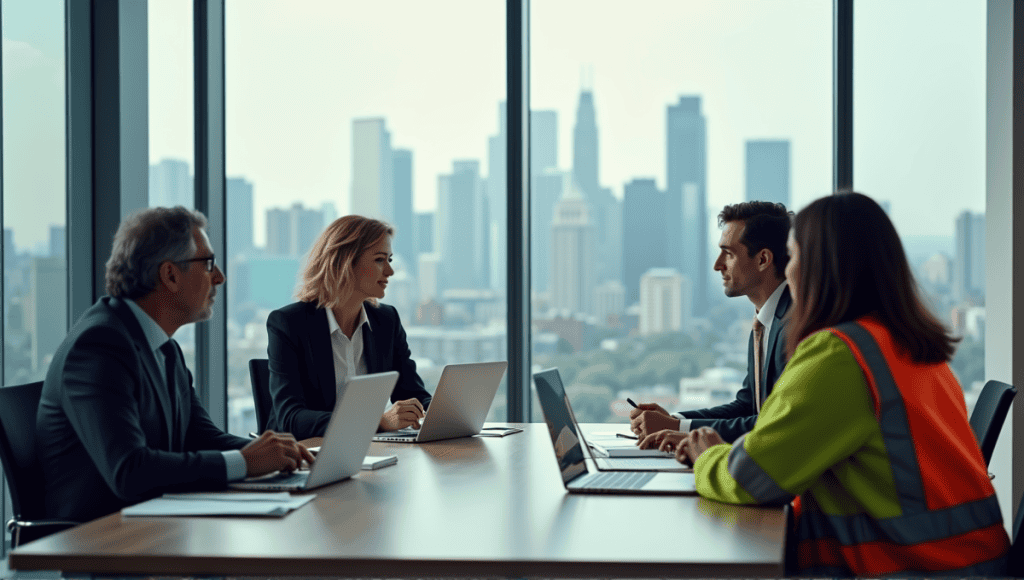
(558, 415)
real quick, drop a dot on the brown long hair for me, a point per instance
(853, 264)
(327, 277)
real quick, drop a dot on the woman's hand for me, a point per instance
(698, 441)
(402, 414)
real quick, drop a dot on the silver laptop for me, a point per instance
(353, 422)
(459, 406)
(571, 452)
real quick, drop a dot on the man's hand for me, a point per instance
(696, 443)
(650, 418)
(665, 440)
(274, 452)
(402, 414)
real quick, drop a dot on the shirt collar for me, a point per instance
(155, 336)
(767, 313)
(332, 323)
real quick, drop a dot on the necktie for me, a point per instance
(171, 366)
(758, 341)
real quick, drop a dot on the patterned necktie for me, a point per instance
(758, 341)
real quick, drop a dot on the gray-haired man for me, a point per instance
(119, 421)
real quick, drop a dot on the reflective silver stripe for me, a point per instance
(893, 422)
(752, 478)
(906, 530)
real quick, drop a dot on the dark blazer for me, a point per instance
(104, 429)
(738, 417)
(301, 362)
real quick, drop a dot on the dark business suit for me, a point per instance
(301, 361)
(109, 434)
(738, 417)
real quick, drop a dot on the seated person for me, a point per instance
(338, 330)
(753, 264)
(118, 420)
(867, 428)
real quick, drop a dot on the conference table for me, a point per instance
(469, 507)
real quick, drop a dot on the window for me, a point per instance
(171, 122)
(919, 149)
(646, 120)
(354, 110)
(34, 243)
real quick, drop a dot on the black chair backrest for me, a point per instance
(259, 375)
(990, 413)
(18, 406)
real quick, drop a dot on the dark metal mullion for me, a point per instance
(211, 336)
(1016, 235)
(3, 304)
(518, 215)
(842, 98)
(79, 174)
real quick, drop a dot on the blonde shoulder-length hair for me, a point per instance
(328, 276)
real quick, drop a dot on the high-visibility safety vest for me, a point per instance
(898, 487)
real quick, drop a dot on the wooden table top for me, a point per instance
(463, 507)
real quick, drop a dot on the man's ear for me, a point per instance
(169, 275)
(765, 259)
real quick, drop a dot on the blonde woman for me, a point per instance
(338, 330)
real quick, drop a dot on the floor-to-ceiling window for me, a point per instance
(646, 120)
(34, 243)
(919, 150)
(392, 110)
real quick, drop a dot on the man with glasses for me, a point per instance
(118, 420)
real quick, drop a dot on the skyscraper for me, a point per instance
(663, 301)
(423, 224)
(47, 312)
(58, 242)
(768, 171)
(497, 184)
(644, 235)
(969, 262)
(404, 237)
(240, 208)
(605, 210)
(686, 196)
(372, 176)
(572, 255)
(546, 191)
(170, 184)
(291, 232)
(543, 141)
(461, 221)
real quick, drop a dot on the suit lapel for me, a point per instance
(156, 381)
(322, 352)
(780, 311)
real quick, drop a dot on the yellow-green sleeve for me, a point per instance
(819, 413)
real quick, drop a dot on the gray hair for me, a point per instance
(146, 239)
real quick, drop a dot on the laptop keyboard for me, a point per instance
(287, 478)
(620, 480)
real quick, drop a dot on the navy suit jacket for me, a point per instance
(106, 433)
(738, 416)
(301, 363)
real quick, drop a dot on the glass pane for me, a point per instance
(404, 124)
(919, 137)
(172, 121)
(34, 243)
(639, 138)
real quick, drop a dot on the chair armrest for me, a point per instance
(13, 524)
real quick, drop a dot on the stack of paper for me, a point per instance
(219, 504)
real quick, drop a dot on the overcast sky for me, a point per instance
(299, 71)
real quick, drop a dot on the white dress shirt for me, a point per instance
(156, 337)
(766, 316)
(348, 352)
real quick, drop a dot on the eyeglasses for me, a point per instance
(211, 261)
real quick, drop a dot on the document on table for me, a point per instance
(219, 504)
(627, 448)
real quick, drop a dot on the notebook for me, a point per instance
(569, 446)
(459, 406)
(353, 422)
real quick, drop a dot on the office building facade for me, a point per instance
(767, 171)
(685, 216)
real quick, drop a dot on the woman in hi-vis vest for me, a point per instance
(866, 428)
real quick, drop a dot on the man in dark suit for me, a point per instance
(752, 262)
(303, 381)
(118, 421)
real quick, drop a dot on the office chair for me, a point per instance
(1015, 563)
(18, 405)
(259, 375)
(990, 413)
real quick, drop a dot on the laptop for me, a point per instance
(353, 422)
(459, 406)
(569, 446)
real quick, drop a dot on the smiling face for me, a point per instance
(372, 270)
(740, 272)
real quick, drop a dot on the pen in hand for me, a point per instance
(630, 401)
(626, 436)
